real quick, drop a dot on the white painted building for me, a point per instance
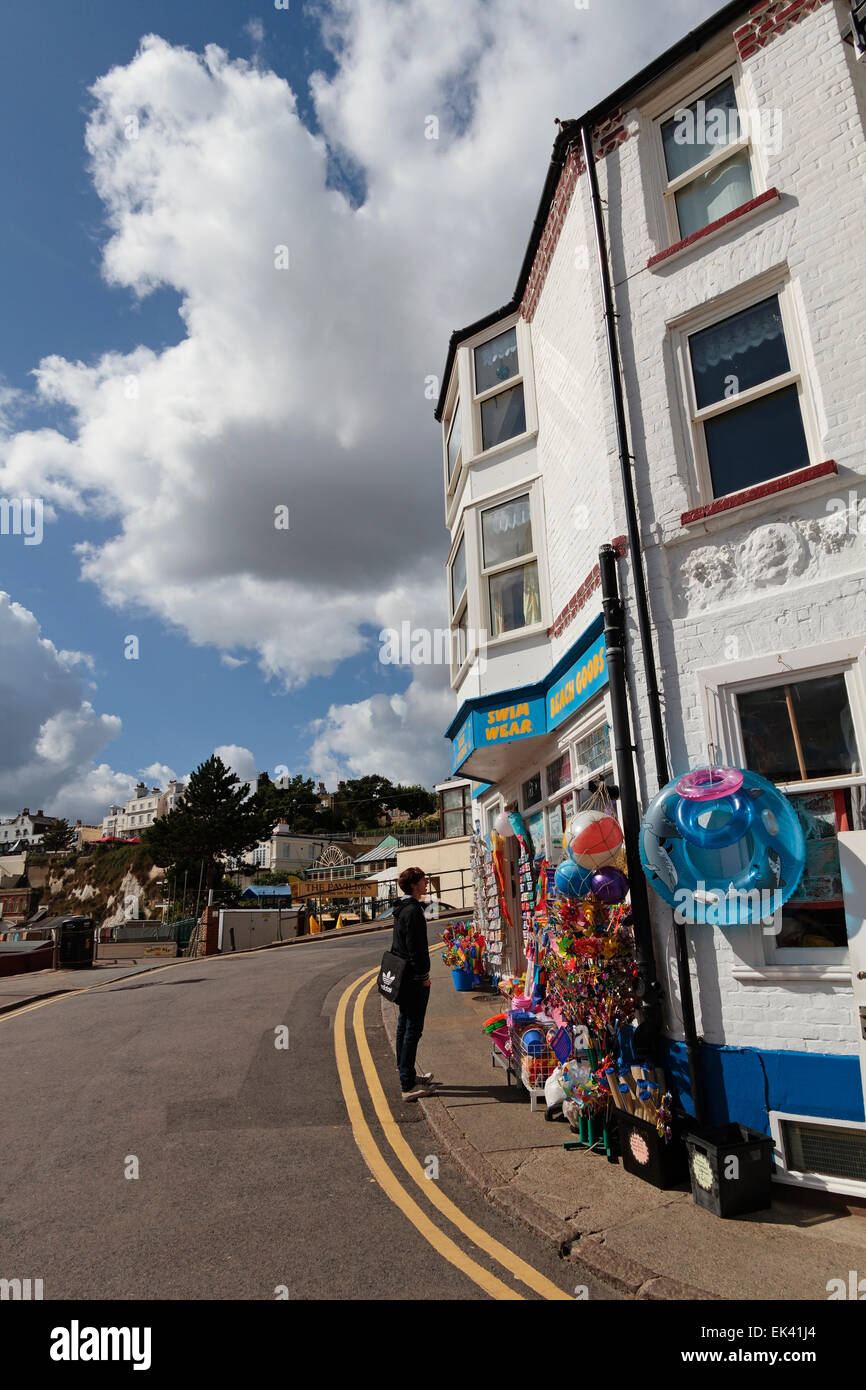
(142, 809)
(24, 829)
(732, 173)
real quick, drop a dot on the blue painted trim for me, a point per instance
(523, 694)
(743, 1084)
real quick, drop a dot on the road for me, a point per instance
(188, 1134)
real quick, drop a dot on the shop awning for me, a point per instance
(484, 730)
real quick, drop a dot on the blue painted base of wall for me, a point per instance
(743, 1084)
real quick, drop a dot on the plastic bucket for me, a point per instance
(462, 981)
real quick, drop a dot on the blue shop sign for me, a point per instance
(462, 745)
(580, 682)
(534, 710)
(509, 723)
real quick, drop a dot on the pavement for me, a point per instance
(642, 1242)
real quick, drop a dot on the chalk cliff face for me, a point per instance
(112, 886)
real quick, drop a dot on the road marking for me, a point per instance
(375, 1161)
(513, 1263)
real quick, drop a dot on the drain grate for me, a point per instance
(834, 1153)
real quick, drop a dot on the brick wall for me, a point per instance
(768, 20)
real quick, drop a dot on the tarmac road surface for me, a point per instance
(184, 1134)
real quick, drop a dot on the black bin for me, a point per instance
(731, 1168)
(663, 1163)
(77, 936)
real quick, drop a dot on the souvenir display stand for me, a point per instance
(565, 1033)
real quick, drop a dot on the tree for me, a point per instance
(216, 817)
(416, 801)
(363, 800)
(59, 835)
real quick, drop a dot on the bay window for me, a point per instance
(512, 588)
(454, 443)
(499, 398)
(459, 606)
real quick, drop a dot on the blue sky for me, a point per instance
(307, 390)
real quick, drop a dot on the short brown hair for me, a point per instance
(409, 878)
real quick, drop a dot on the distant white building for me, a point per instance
(143, 808)
(25, 829)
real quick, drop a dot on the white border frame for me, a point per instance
(534, 490)
(819, 1182)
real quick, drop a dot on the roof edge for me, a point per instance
(690, 43)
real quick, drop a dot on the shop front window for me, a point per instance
(558, 774)
(530, 792)
(799, 732)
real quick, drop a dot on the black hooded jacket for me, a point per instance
(410, 937)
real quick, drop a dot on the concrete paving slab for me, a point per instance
(582, 1187)
(744, 1258)
(491, 1127)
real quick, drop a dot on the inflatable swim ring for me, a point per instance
(723, 846)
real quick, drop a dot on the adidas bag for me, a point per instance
(391, 973)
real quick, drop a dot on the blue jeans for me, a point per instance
(410, 1026)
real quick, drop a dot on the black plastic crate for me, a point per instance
(731, 1168)
(664, 1163)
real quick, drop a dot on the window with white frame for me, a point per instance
(454, 443)
(707, 159)
(800, 733)
(499, 400)
(510, 566)
(459, 606)
(455, 811)
(747, 399)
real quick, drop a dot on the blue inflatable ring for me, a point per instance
(723, 860)
(741, 811)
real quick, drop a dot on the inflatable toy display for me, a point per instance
(723, 846)
(592, 838)
(571, 881)
(609, 885)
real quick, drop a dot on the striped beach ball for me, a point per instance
(593, 838)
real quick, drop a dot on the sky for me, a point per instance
(231, 257)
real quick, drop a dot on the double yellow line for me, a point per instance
(375, 1161)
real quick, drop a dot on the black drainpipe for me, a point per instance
(649, 988)
(631, 521)
(636, 876)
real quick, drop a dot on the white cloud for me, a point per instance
(304, 387)
(240, 761)
(51, 732)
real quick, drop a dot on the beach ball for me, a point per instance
(609, 885)
(571, 881)
(503, 826)
(593, 838)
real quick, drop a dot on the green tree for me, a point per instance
(59, 835)
(415, 800)
(216, 817)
